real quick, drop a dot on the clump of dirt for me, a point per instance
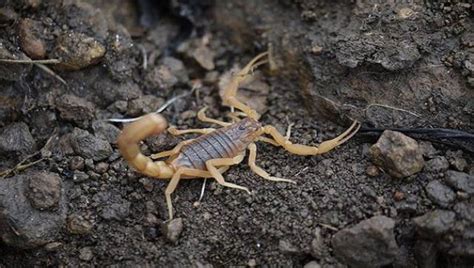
(68, 198)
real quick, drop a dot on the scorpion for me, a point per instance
(212, 153)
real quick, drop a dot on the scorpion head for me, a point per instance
(246, 130)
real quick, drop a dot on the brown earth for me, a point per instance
(341, 60)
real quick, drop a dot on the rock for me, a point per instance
(172, 229)
(370, 243)
(456, 159)
(121, 57)
(286, 247)
(110, 91)
(24, 226)
(105, 131)
(160, 77)
(398, 154)
(77, 51)
(89, 146)
(101, 167)
(31, 42)
(372, 171)
(151, 233)
(437, 164)
(7, 16)
(76, 224)
(177, 68)
(144, 105)
(461, 181)
(204, 56)
(435, 223)
(76, 163)
(75, 109)
(44, 190)
(85, 254)
(312, 264)
(12, 71)
(79, 176)
(53, 246)
(16, 138)
(465, 211)
(440, 194)
(427, 149)
(317, 245)
(116, 211)
(426, 254)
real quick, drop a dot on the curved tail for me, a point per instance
(128, 144)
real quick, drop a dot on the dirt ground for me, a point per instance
(120, 59)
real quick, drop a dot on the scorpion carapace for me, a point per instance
(211, 154)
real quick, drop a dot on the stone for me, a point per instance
(397, 154)
(76, 163)
(16, 138)
(172, 229)
(287, 247)
(89, 146)
(440, 194)
(101, 167)
(80, 176)
(105, 131)
(86, 254)
(204, 57)
(31, 42)
(460, 181)
(437, 164)
(312, 264)
(435, 223)
(75, 109)
(77, 51)
(465, 210)
(317, 245)
(370, 243)
(144, 105)
(76, 224)
(7, 16)
(160, 77)
(44, 190)
(177, 68)
(116, 211)
(24, 226)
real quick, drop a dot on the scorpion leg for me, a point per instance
(174, 182)
(324, 147)
(229, 97)
(258, 170)
(202, 116)
(175, 132)
(173, 151)
(211, 167)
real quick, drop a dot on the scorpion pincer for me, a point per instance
(212, 153)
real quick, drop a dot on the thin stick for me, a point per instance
(48, 61)
(390, 107)
(161, 109)
(202, 190)
(21, 166)
(50, 72)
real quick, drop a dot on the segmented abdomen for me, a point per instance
(216, 144)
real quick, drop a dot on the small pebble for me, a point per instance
(85, 254)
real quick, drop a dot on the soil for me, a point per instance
(111, 215)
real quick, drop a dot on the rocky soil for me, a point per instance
(68, 198)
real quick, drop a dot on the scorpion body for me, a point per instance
(226, 142)
(211, 154)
